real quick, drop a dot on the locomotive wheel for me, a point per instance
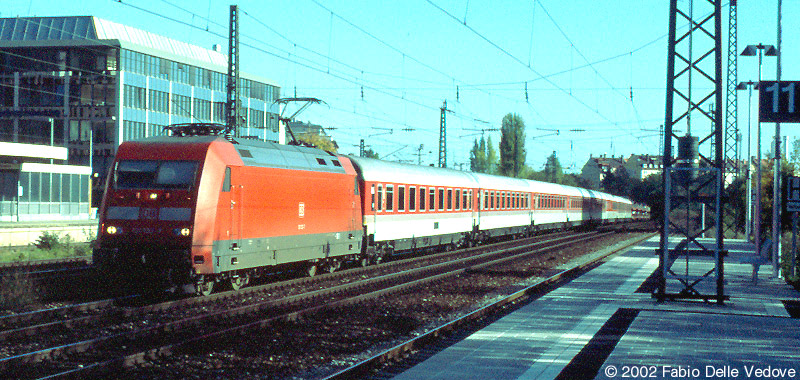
(203, 286)
(239, 281)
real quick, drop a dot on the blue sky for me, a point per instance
(410, 56)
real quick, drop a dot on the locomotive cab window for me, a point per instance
(153, 174)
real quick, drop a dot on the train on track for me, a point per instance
(194, 209)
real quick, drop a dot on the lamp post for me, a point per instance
(752, 50)
(748, 227)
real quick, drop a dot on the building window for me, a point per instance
(256, 119)
(159, 101)
(181, 105)
(155, 130)
(219, 112)
(135, 97)
(181, 73)
(133, 130)
(202, 110)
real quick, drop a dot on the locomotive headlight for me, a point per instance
(182, 232)
(111, 230)
(153, 196)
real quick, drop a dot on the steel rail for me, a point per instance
(8, 322)
(415, 277)
(397, 352)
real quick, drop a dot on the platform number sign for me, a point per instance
(793, 194)
(779, 102)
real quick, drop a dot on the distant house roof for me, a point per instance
(82, 30)
(607, 163)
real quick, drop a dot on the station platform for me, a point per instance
(14, 234)
(606, 325)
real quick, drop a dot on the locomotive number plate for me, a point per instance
(150, 213)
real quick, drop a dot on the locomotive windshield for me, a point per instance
(152, 174)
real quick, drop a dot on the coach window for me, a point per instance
(458, 197)
(380, 197)
(401, 198)
(389, 197)
(431, 199)
(441, 199)
(464, 200)
(470, 200)
(412, 198)
(449, 199)
(372, 191)
(422, 196)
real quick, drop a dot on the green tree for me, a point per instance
(477, 157)
(369, 153)
(317, 141)
(618, 182)
(491, 156)
(512, 145)
(553, 172)
(794, 156)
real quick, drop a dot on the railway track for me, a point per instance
(389, 361)
(128, 336)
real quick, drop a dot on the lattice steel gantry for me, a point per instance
(692, 181)
(732, 135)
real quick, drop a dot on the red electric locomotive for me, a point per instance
(195, 209)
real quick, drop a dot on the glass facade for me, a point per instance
(94, 96)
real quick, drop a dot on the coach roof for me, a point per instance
(373, 170)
